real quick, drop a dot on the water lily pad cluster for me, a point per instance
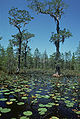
(41, 94)
(42, 111)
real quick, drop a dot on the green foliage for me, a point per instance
(36, 58)
(45, 60)
(2, 58)
(19, 18)
(61, 36)
(10, 62)
(77, 54)
(55, 8)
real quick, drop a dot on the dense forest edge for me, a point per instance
(39, 62)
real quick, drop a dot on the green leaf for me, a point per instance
(27, 113)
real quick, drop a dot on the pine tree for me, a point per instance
(19, 18)
(55, 9)
(10, 62)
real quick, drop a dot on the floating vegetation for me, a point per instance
(24, 117)
(20, 103)
(3, 99)
(5, 110)
(54, 117)
(12, 100)
(0, 108)
(40, 97)
(27, 113)
(42, 111)
(77, 112)
(9, 103)
(24, 98)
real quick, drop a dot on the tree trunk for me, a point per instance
(19, 54)
(25, 62)
(57, 43)
(57, 49)
(25, 58)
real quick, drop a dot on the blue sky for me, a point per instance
(42, 26)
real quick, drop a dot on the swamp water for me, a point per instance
(39, 97)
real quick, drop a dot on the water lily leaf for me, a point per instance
(47, 105)
(12, 100)
(34, 101)
(23, 98)
(41, 105)
(41, 89)
(22, 92)
(6, 93)
(46, 96)
(5, 110)
(67, 101)
(38, 91)
(70, 104)
(9, 103)
(78, 112)
(24, 117)
(57, 104)
(0, 108)
(42, 109)
(18, 90)
(20, 103)
(12, 92)
(3, 99)
(27, 113)
(5, 90)
(41, 113)
(54, 117)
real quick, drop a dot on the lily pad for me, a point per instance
(42, 109)
(78, 112)
(27, 113)
(46, 96)
(6, 93)
(12, 100)
(41, 113)
(9, 103)
(3, 99)
(5, 110)
(18, 90)
(24, 117)
(41, 105)
(0, 108)
(23, 98)
(20, 103)
(54, 117)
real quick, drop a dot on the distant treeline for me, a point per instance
(38, 60)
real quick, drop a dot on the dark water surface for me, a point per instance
(63, 93)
